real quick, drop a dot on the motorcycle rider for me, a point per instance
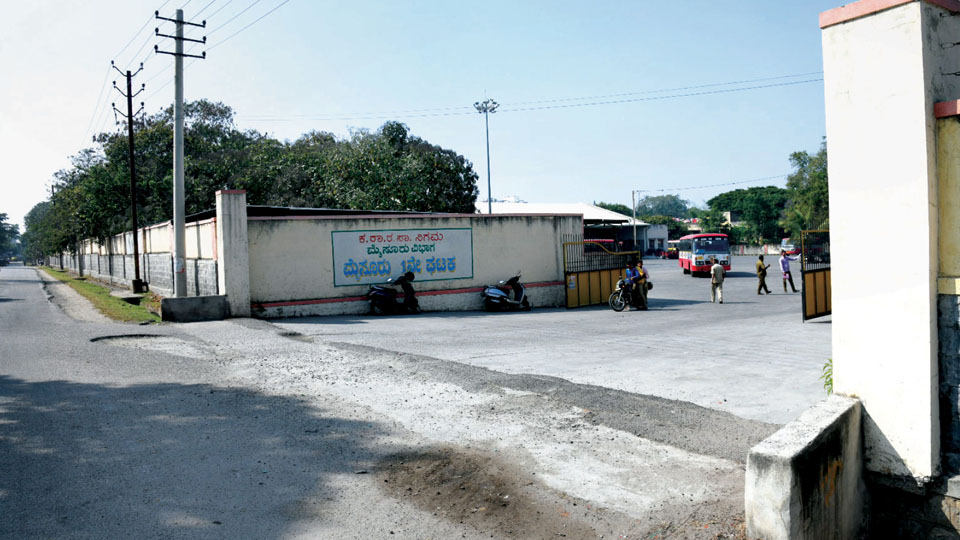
(638, 276)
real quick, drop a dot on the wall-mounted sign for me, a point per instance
(364, 257)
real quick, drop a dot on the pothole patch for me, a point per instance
(152, 342)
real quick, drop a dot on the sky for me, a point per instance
(598, 100)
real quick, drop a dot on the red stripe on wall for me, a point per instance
(263, 305)
(945, 109)
(863, 8)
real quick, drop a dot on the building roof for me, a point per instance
(591, 214)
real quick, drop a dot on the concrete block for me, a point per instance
(194, 309)
(806, 480)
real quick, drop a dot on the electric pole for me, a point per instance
(633, 198)
(487, 107)
(179, 236)
(137, 284)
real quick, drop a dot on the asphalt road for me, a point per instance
(752, 356)
(437, 426)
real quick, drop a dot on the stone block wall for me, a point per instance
(155, 268)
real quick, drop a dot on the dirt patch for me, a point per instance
(296, 336)
(483, 492)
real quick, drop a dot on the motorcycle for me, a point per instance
(497, 297)
(384, 301)
(623, 295)
(620, 298)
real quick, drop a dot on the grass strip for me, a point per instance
(99, 295)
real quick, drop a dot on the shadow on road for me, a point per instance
(167, 460)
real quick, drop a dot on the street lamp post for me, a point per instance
(486, 107)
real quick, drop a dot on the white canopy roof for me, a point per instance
(590, 212)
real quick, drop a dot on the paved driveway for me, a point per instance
(752, 356)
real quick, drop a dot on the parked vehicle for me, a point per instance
(621, 298)
(673, 249)
(384, 298)
(497, 297)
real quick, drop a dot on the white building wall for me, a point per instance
(292, 270)
(881, 79)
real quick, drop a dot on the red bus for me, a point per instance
(696, 250)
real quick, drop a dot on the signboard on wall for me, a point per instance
(366, 257)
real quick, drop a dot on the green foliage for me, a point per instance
(742, 234)
(807, 187)
(9, 233)
(662, 205)
(114, 307)
(616, 207)
(827, 376)
(386, 170)
(710, 220)
(675, 228)
(760, 207)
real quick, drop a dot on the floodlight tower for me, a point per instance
(487, 107)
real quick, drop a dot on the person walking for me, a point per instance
(785, 270)
(762, 276)
(716, 281)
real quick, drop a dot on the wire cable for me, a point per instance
(677, 89)
(654, 98)
(96, 108)
(204, 8)
(714, 185)
(364, 115)
(193, 60)
(224, 40)
(242, 11)
(376, 116)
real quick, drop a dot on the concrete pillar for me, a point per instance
(233, 260)
(886, 63)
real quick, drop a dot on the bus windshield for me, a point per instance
(711, 244)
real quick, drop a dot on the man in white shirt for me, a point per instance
(716, 281)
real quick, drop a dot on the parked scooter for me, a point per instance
(383, 298)
(497, 297)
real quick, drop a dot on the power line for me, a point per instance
(204, 8)
(97, 111)
(244, 10)
(258, 19)
(661, 190)
(677, 89)
(654, 98)
(375, 116)
(219, 9)
(221, 42)
(97, 107)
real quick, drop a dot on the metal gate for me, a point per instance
(815, 272)
(591, 271)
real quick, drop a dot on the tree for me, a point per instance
(662, 205)
(389, 169)
(675, 228)
(710, 220)
(616, 207)
(808, 188)
(760, 207)
(9, 233)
